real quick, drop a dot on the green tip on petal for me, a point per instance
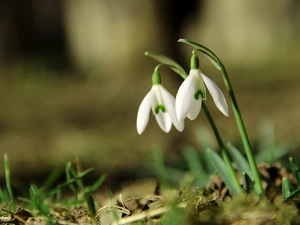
(194, 62)
(156, 78)
(159, 107)
(200, 95)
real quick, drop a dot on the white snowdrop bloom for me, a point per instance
(162, 104)
(193, 90)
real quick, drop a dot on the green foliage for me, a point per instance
(295, 170)
(168, 62)
(223, 171)
(239, 160)
(40, 199)
(195, 166)
(286, 188)
(288, 192)
(6, 194)
(160, 167)
(209, 54)
(175, 216)
(247, 183)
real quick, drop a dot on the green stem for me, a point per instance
(243, 132)
(223, 148)
(217, 62)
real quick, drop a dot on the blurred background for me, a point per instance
(73, 73)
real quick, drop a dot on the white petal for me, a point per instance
(164, 121)
(169, 102)
(217, 95)
(194, 109)
(184, 97)
(143, 112)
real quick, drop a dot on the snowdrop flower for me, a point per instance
(162, 104)
(193, 90)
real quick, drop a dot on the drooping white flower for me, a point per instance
(162, 104)
(193, 90)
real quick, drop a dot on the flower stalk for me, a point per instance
(223, 149)
(242, 130)
(243, 133)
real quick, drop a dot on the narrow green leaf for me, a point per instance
(52, 178)
(58, 196)
(213, 61)
(160, 166)
(91, 205)
(60, 186)
(240, 161)
(286, 188)
(169, 62)
(68, 176)
(195, 166)
(293, 194)
(271, 154)
(78, 181)
(223, 171)
(96, 185)
(295, 170)
(4, 197)
(210, 55)
(8, 183)
(70, 181)
(26, 200)
(247, 183)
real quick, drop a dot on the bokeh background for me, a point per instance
(73, 73)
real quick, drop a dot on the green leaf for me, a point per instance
(52, 178)
(210, 55)
(4, 197)
(195, 166)
(295, 171)
(213, 62)
(96, 185)
(8, 183)
(286, 188)
(160, 166)
(169, 62)
(271, 154)
(240, 161)
(91, 205)
(247, 183)
(70, 181)
(69, 177)
(223, 171)
(293, 194)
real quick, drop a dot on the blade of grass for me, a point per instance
(293, 194)
(286, 188)
(4, 197)
(295, 171)
(39, 200)
(91, 205)
(96, 185)
(81, 175)
(68, 176)
(160, 166)
(8, 184)
(67, 183)
(52, 178)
